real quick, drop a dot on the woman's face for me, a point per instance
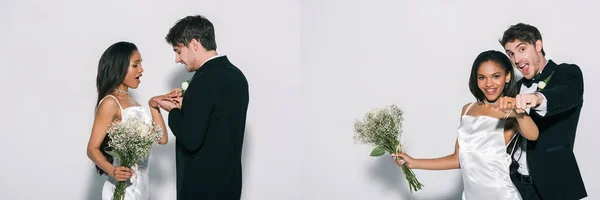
(132, 79)
(491, 79)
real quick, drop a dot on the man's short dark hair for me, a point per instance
(523, 32)
(193, 27)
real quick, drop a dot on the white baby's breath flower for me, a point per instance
(184, 85)
(382, 127)
(374, 113)
(144, 130)
(131, 139)
(130, 142)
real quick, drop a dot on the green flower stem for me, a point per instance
(413, 183)
(119, 193)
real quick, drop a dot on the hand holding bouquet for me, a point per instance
(381, 128)
(130, 142)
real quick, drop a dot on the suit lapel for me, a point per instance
(548, 70)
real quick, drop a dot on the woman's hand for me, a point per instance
(153, 102)
(404, 159)
(121, 173)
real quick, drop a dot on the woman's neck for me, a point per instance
(491, 103)
(122, 90)
(485, 101)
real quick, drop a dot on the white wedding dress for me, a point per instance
(484, 162)
(138, 184)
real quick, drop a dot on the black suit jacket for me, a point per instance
(209, 131)
(552, 164)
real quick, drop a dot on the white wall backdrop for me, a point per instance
(418, 54)
(313, 67)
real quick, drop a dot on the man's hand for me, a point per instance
(526, 101)
(508, 103)
(176, 92)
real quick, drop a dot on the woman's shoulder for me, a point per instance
(109, 105)
(468, 106)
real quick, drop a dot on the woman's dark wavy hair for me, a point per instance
(112, 69)
(510, 89)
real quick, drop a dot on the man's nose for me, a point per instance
(518, 57)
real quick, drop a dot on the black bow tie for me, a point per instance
(535, 79)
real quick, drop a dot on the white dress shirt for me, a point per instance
(216, 56)
(542, 109)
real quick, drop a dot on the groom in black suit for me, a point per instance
(208, 121)
(552, 94)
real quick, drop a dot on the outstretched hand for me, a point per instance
(506, 104)
(153, 102)
(402, 158)
(527, 101)
(170, 104)
(167, 101)
(176, 92)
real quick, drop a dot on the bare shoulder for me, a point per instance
(109, 107)
(464, 109)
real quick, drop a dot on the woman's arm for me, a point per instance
(526, 127)
(442, 163)
(158, 118)
(108, 110)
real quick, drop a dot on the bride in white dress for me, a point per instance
(119, 69)
(487, 134)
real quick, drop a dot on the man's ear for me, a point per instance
(194, 44)
(539, 45)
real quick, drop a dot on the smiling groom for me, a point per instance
(552, 94)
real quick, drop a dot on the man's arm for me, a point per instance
(568, 92)
(541, 109)
(190, 124)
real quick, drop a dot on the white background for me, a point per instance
(313, 68)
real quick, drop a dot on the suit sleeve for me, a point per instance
(567, 93)
(542, 109)
(190, 123)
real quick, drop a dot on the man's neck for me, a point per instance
(208, 56)
(542, 64)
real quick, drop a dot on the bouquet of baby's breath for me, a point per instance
(130, 142)
(382, 127)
